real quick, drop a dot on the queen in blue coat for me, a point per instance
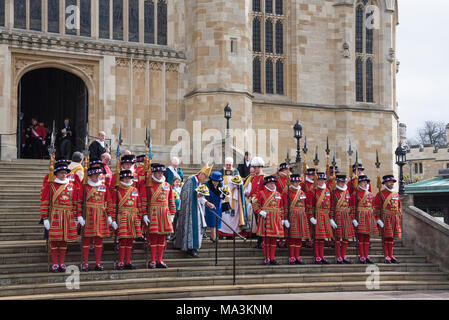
(215, 182)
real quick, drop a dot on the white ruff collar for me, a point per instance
(311, 181)
(158, 181)
(127, 184)
(388, 189)
(364, 189)
(296, 188)
(271, 190)
(65, 181)
(322, 187)
(342, 189)
(94, 184)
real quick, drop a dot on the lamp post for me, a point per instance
(228, 116)
(297, 134)
(401, 160)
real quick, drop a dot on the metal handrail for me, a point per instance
(235, 233)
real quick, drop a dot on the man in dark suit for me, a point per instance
(66, 140)
(244, 167)
(99, 146)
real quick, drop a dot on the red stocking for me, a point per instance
(54, 251)
(86, 243)
(62, 251)
(98, 249)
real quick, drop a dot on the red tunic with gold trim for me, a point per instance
(160, 207)
(281, 184)
(128, 218)
(256, 185)
(299, 226)
(388, 209)
(342, 215)
(73, 178)
(365, 212)
(321, 200)
(306, 186)
(112, 185)
(98, 200)
(351, 186)
(63, 211)
(273, 204)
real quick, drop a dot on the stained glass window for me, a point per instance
(268, 36)
(359, 30)
(359, 79)
(53, 16)
(85, 18)
(369, 81)
(269, 76)
(279, 7)
(117, 20)
(103, 18)
(2, 13)
(162, 22)
(268, 6)
(133, 20)
(256, 5)
(279, 38)
(20, 14)
(257, 85)
(36, 15)
(279, 77)
(256, 36)
(149, 21)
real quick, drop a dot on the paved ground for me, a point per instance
(375, 295)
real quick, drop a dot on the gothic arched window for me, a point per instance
(103, 23)
(162, 22)
(256, 35)
(117, 20)
(256, 5)
(133, 20)
(359, 30)
(85, 18)
(149, 21)
(36, 15)
(257, 82)
(359, 79)
(268, 36)
(268, 6)
(269, 76)
(20, 14)
(279, 38)
(2, 13)
(53, 16)
(279, 77)
(279, 7)
(369, 81)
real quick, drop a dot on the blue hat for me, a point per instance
(216, 176)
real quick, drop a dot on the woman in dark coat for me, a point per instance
(215, 182)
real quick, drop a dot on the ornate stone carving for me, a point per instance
(391, 55)
(87, 68)
(21, 63)
(139, 65)
(171, 67)
(119, 62)
(346, 53)
(156, 66)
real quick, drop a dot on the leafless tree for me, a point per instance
(433, 132)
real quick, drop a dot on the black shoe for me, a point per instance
(317, 262)
(130, 266)
(388, 261)
(299, 261)
(62, 267)
(339, 261)
(213, 241)
(204, 236)
(139, 239)
(324, 261)
(120, 266)
(99, 267)
(274, 262)
(161, 265)
(394, 260)
(193, 254)
(369, 261)
(346, 261)
(151, 265)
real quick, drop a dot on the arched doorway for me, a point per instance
(51, 94)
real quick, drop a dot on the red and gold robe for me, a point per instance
(128, 217)
(256, 185)
(160, 208)
(364, 213)
(98, 200)
(351, 183)
(273, 204)
(63, 205)
(318, 205)
(342, 215)
(306, 186)
(281, 184)
(387, 207)
(299, 226)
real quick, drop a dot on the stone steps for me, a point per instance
(188, 261)
(220, 280)
(16, 221)
(244, 289)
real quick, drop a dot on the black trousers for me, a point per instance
(66, 148)
(36, 148)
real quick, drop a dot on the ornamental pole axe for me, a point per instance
(117, 183)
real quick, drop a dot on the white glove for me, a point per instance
(81, 221)
(47, 224)
(313, 220)
(333, 224)
(286, 223)
(355, 223)
(380, 223)
(146, 220)
(109, 220)
(263, 214)
(114, 225)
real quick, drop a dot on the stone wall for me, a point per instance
(425, 234)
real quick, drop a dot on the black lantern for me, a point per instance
(401, 160)
(228, 116)
(297, 134)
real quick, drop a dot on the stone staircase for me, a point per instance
(23, 261)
